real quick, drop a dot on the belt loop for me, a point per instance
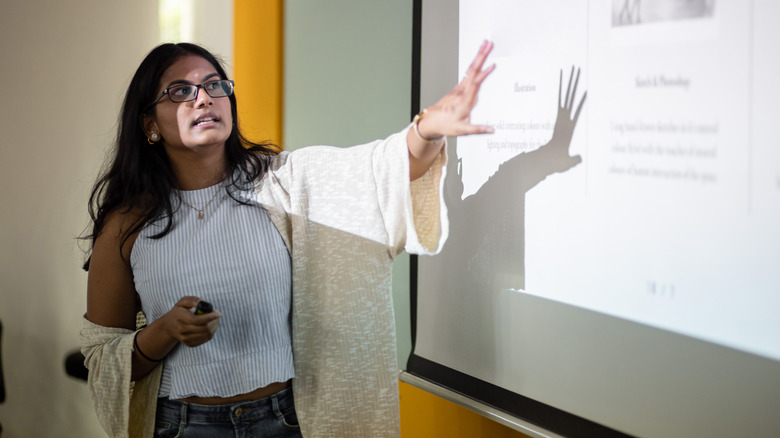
(275, 407)
(183, 418)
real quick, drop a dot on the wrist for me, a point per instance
(166, 324)
(137, 348)
(416, 127)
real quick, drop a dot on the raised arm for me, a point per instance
(450, 116)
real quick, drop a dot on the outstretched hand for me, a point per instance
(566, 121)
(451, 115)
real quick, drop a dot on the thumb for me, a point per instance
(188, 302)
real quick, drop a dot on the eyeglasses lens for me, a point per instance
(224, 88)
(186, 93)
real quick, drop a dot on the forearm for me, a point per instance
(421, 154)
(423, 147)
(150, 347)
(179, 325)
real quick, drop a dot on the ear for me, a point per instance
(149, 124)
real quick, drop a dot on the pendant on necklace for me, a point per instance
(200, 215)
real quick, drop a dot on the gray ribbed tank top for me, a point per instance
(235, 259)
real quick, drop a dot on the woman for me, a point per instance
(191, 211)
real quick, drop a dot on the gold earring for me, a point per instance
(154, 138)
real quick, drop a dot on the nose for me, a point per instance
(202, 98)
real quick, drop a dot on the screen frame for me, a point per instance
(732, 391)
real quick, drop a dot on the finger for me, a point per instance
(206, 318)
(579, 108)
(486, 129)
(201, 329)
(196, 339)
(469, 129)
(568, 89)
(479, 60)
(213, 325)
(188, 302)
(471, 87)
(198, 331)
(476, 63)
(560, 86)
(483, 74)
(574, 91)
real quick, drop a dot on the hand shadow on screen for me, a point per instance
(485, 251)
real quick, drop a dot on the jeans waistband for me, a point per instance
(245, 410)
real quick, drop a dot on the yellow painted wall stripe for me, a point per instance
(258, 67)
(426, 415)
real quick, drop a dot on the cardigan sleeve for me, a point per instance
(124, 408)
(362, 190)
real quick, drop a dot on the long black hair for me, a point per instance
(139, 177)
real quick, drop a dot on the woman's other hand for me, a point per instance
(190, 329)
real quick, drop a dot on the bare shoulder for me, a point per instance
(111, 296)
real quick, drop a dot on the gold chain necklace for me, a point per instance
(199, 210)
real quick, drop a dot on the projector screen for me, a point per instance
(613, 263)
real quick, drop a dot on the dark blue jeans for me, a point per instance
(272, 416)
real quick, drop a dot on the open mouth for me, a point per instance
(205, 120)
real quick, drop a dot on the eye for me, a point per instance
(180, 91)
(212, 85)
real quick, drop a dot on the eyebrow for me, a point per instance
(183, 81)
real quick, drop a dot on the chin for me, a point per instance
(211, 140)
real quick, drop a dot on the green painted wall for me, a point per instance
(347, 81)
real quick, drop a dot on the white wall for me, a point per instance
(65, 67)
(208, 23)
(347, 81)
(214, 29)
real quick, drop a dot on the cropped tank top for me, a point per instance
(234, 258)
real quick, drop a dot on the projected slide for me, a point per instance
(658, 203)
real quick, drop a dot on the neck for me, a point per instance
(196, 170)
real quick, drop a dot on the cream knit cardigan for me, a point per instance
(344, 214)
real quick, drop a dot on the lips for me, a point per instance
(205, 119)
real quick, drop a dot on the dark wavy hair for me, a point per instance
(139, 177)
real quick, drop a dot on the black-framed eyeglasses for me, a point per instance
(189, 92)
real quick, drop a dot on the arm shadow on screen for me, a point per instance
(486, 246)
